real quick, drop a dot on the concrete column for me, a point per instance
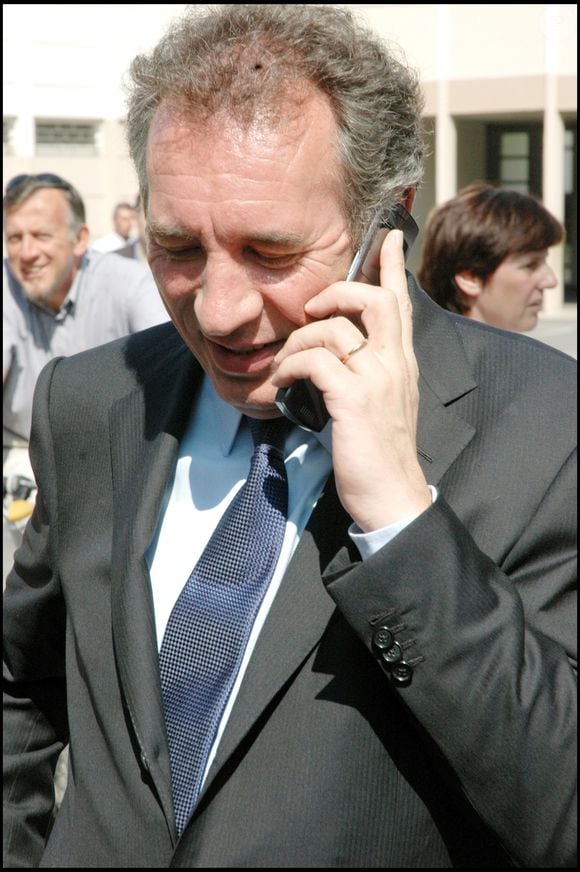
(23, 135)
(18, 84)
(553, 155)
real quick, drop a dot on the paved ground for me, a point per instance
(559, 332)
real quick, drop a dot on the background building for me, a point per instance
(499, 81)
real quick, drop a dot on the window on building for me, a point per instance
(514, 157)
(58, 138)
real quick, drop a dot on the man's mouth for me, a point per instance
(31, 271)
(246, 360)
(245, 351)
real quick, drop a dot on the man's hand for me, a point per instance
(370, 392)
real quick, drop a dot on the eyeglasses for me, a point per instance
(49, 179)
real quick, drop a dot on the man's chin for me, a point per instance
(258, 402)
(34, 292)
(34, 295)
(40, 296)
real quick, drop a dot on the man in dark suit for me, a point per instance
(406, 695)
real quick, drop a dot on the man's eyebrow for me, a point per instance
(166, 231)
(293, 240)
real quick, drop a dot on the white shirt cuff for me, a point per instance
(370, 543)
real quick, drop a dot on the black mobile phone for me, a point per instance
(302, 402)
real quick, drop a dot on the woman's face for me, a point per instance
(512, 297)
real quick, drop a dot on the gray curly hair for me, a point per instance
(255, 60)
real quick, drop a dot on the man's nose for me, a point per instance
(228, 299)
(28, 248)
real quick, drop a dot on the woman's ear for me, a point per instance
(469, 284)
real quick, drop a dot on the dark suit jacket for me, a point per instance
(326, 761)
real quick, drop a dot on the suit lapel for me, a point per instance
(441, 435)
(445, 376)
(145, 427)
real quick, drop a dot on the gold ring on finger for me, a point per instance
(354, 350)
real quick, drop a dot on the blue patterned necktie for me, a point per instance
(209, 626)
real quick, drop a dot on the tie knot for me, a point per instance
(271, 431)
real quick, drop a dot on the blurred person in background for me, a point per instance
(137, 246)
(123, 234)
(485, 256)
(59, 297)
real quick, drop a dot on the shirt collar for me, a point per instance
(228, 422)
(73, 294)
(226, 418)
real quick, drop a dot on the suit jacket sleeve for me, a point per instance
(494, 655)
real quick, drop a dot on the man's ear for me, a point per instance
(409, 198)
(81, 240)
(469, 285)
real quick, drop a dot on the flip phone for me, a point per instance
(302, 402)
